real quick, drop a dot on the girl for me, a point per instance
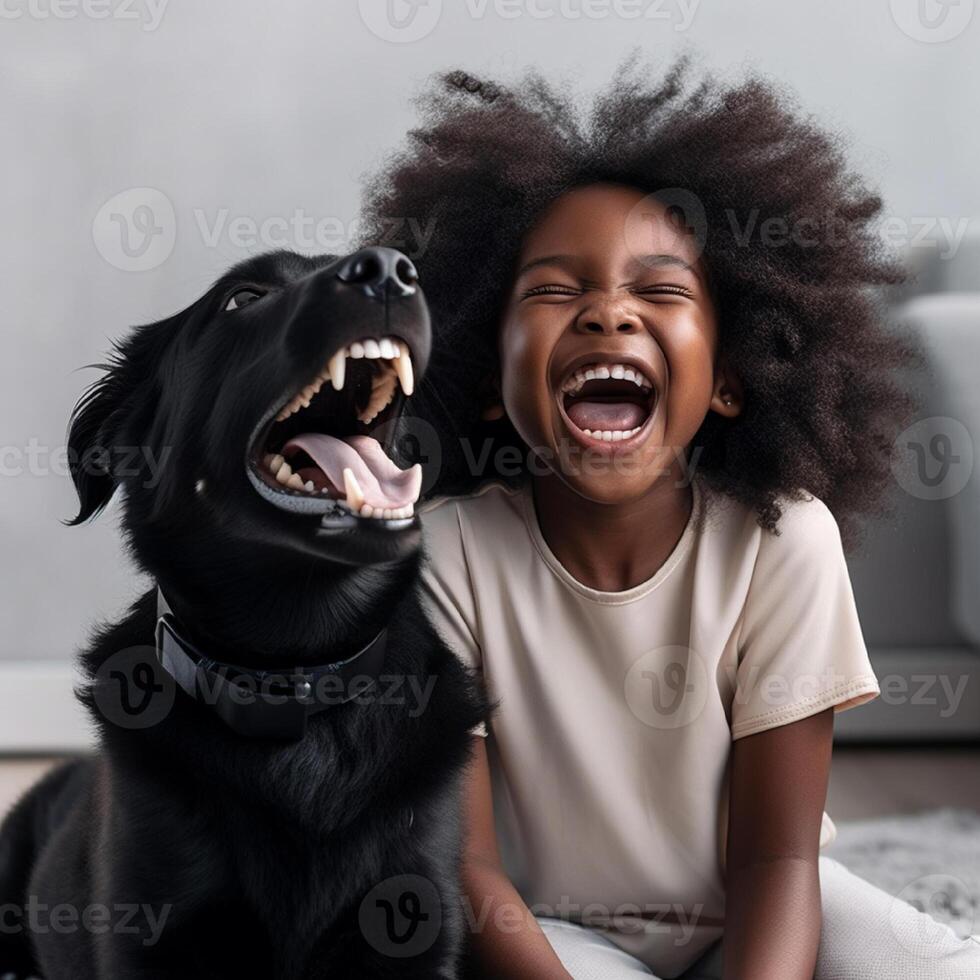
(661, 384)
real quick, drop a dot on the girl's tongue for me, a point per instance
(588, 414)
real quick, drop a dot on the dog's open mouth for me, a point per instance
(313, 454)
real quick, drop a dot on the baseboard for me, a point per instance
(38, 710)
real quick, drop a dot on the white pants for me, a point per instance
(866, 935)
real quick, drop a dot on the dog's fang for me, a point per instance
(355, 495)
(403, 365)
(338, 369)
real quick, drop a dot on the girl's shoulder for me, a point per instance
(805, 545)
(491, 502)
(805, 521)
(490, 519)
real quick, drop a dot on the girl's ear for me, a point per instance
(727, 397)
(493, 405)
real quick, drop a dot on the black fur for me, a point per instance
(263, 851)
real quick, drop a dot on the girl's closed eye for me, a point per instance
(665, 289)
(552, 289)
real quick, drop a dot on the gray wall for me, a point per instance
(271, 109)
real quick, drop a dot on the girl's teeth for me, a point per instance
(612, 435)
(621, 372)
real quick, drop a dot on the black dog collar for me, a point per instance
(263, 703)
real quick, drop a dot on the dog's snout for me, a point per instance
(380, 272)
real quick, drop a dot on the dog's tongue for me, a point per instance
(383, 483)
(606, 415)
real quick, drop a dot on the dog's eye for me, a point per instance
(242, 298)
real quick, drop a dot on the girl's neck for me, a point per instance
(611, 547)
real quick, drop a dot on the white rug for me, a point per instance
(931, 860)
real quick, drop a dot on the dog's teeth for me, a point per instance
(295, 482)
(284, 472)
(381, 397)
(338, 369)
(357, 349)
(273, 463)
(403, 367)
(372, 348)
(309, 486)
(388, 348)
(353, 491)
(366, 510)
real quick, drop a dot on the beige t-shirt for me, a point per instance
(617, 710)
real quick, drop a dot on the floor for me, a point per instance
(864, 782)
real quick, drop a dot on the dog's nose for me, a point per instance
(380, 272)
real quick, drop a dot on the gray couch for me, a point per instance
(917, 575)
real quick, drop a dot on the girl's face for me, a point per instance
(608, 343)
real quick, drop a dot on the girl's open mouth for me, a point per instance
(607, 404)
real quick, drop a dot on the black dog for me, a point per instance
(294, 815)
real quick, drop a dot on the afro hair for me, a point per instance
(787, 239)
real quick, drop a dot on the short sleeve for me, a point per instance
(800, 648)
(447, 594)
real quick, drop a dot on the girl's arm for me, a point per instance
(506, 938)
(778, 789)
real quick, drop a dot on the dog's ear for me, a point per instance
(111, 415)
